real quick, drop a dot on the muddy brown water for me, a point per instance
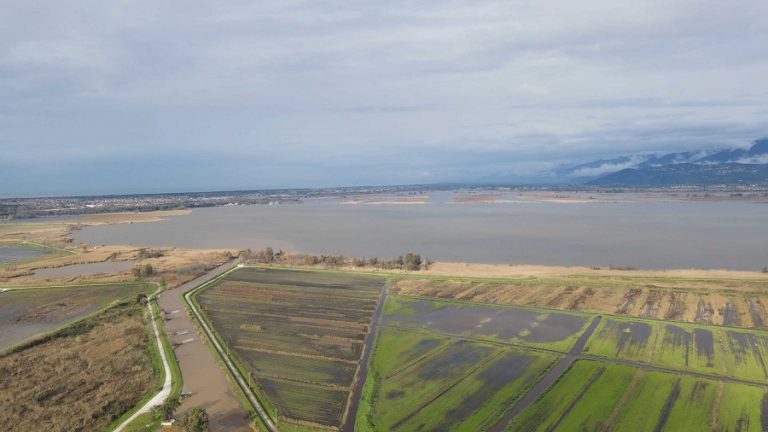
(11, 254)
(84, 269)
(645, 235)
(201, 375)
(503, 323)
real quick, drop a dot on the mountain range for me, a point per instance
(691, 168)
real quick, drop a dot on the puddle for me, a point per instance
(84, 269)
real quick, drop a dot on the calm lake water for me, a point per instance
(9, 254)
(84, 269)
(646, 235)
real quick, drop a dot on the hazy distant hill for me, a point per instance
(687, 174)
(706, 167)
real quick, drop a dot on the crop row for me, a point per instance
(710, 350)
(596, 396)
(426, 381)
(298, 334)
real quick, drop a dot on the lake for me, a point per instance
(654, 235)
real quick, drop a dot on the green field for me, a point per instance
(424, 381)
(710, 350)
(298, 335)
(624, 398)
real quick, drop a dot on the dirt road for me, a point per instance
(202, 375)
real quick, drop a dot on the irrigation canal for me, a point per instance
(350, 418)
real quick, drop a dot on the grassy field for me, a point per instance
(421, 379)
(521, 326)
(298, 335)
(704, 349)
(594, 396)
(81, 377)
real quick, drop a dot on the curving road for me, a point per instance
(163, 394)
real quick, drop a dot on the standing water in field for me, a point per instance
(11, 254)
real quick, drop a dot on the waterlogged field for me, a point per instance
(597, 396)
(710, 350)
(298, 334)
(27, 312)
(430, 382)
(731, 302)
(529, 327)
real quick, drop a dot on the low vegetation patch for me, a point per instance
(82, 377)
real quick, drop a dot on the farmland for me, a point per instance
(298, 335)
(732, 302)
(30, 311)
(530, 327)
(711, 350)
(595, 396)
(81, 377)
(427, 381)
(443, 364)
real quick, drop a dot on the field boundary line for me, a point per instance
(231, 368)
(595, 376)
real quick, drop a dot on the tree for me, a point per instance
(165, 411)
(196, 420)
(269, 254)
(412, 261)
(144, 270)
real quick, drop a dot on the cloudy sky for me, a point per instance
(150, 96)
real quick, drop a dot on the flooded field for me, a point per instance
(27, 312)
(500, 323)
(644, 235)
(299, 334)
(424, 381)
(11, 254)
(76, 270)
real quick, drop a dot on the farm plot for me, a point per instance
(685, 347)
(298, 334)
(27, 312)
(594, 396)
(530, 327)
(423, 381)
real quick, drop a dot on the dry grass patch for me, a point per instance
(80, 379)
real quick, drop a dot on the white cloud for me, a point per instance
(508, 85)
